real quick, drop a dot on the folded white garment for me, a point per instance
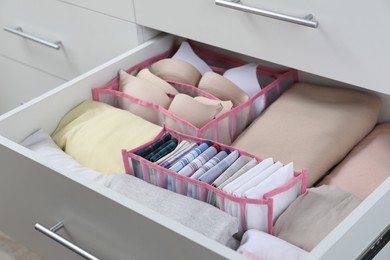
(231, 187)
(258, 245)
(278, 179)
(257, 179)
(266, 169)
(41, 143)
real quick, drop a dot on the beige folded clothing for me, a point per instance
(312, 126)
(311, 217)
(366, 166)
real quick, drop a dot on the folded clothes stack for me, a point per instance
(312, 126)
(366, 166)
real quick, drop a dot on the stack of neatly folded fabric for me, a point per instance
(313, 126)
(366, 166)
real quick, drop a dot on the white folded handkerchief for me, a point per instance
(258, 245)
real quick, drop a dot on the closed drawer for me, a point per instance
(122, 9)
(20, 83)
(87, 38)
(111, 226)
(343, 47)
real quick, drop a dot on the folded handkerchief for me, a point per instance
(258, 245)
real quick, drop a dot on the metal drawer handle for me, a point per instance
(235, 4)
(51, 232)
(19, 31)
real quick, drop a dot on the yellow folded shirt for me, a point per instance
(94, 134)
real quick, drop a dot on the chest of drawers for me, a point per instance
(34, 190)
(61, 40)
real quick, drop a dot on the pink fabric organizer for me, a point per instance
(223, 129)
(268, 207)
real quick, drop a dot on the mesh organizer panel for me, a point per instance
(225, 128)
(266, 209)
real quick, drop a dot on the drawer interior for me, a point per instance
(46, 111)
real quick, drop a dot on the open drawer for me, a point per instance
(110, 226)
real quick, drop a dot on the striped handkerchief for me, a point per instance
(190, 156)
(182, 145)
(167, 148)
(152, 147)
(218, 169)
(199, 161)
(171, 161)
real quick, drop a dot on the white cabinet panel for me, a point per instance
(87, 38)
(122, 9)
(350, 45)
(20, 83)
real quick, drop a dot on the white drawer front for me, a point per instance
(122, 9)
(108, 224)
(87, 38)
(20, 83)
(349, 45)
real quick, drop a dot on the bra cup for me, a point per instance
(222, 88)
(245, 77)
(145, 74)
(185, 53)
(176, 70)
(223, 126)
(143, 90)
(193, 111)
(226, 105)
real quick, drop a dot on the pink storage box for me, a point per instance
(235, 206)
(223, 129)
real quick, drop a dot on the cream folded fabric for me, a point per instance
(94, 134)
(313, 215)
(312, 126)
(258, 245)
(366, 166)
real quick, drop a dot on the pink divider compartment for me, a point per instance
(235, 206)
(224, 129)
